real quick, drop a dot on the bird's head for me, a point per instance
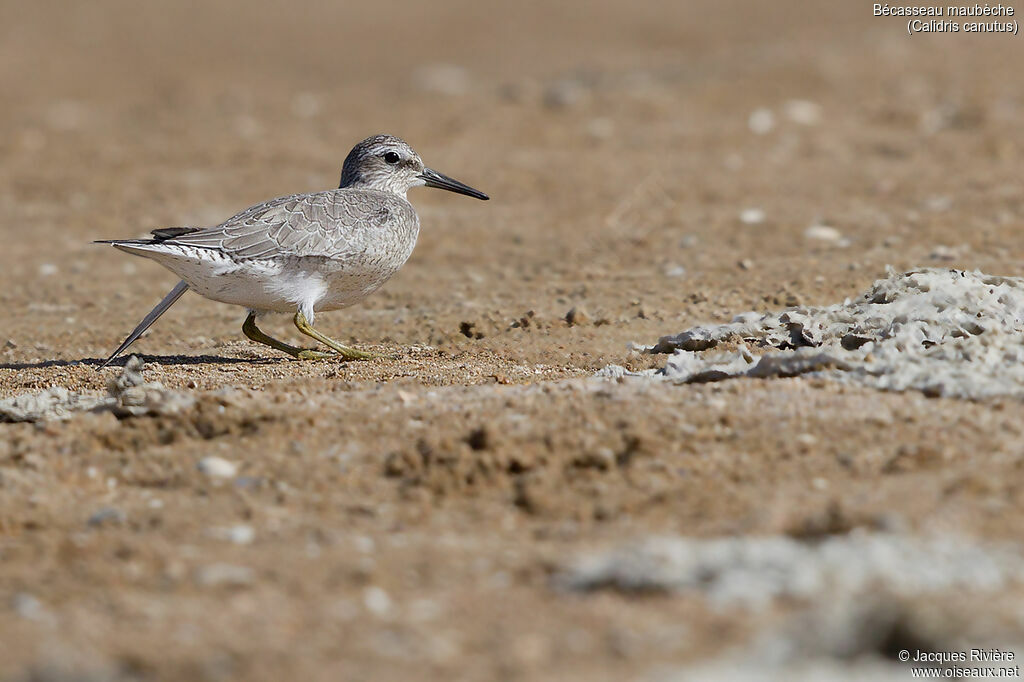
(388, 163)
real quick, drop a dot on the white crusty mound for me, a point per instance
(944, 332)
(755, 572)
(128, 395)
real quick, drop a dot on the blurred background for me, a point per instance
(652, 165)
(610, 137)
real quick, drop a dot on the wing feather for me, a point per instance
(326, 224)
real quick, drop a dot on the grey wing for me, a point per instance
(321, 224)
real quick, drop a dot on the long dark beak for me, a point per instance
(434, 179)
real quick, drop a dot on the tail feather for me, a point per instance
(162, 235)
(154, 314)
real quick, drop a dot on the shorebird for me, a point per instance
(302, 253)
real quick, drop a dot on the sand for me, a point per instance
(653, 167)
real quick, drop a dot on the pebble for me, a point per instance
(564, 93)
(823, 233)
(47, 269)
(27, 606)
(675, 271)
(376, 601)
(577, 315)
(803, 112)
(752, 216)
(224, 575)
(217, 467)
(242, 534)
(106, 516)
(761, 121)
(807, 440)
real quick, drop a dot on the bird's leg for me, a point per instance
(250, 329)
(344, 351)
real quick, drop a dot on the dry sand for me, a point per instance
(654, 166)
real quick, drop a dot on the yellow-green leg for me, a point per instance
(344, 351)
(250, 329)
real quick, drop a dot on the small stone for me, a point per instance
(746, 264)
(217, 467)
(106, 516)
(47, 269)
(564, 93)
(224, 575)
(577, 315)
(27, 606)
(806, 440)
(9, 343)
(761, 121)
(241, 534)
(469, 330)
(675, 271)
(479, 438)
(803, 112)
(823, 233)
(752, 216)
(376, 601)
(941, 252)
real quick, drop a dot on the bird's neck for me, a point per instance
(358, 182)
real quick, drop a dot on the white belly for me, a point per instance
(307, 284)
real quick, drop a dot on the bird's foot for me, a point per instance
(348, 354)
(355, 354)
(310, 354)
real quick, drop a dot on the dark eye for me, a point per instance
(392, 157)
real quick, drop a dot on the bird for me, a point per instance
(302, 253)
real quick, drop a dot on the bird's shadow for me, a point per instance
(153, 359)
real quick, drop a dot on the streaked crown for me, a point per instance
(383, 162)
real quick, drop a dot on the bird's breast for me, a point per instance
(383, 250)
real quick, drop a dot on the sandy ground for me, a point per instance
(409, 517)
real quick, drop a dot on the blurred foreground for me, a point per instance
(476, 504)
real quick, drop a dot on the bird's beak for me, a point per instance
(431, 178)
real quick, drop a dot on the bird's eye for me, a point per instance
(392, 157)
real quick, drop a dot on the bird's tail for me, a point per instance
(154, 314)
